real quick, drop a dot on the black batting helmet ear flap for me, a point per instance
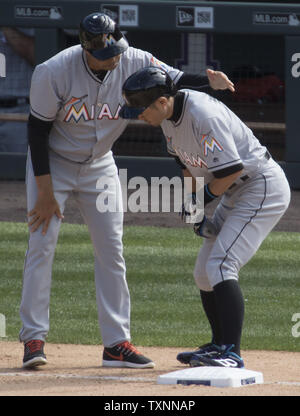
(101, 36)
(143, 87)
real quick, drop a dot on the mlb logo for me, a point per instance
(204, 17)
(129, 15)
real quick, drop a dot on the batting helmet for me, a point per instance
(101, 36)
(143, 87)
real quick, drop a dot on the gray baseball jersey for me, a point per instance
(208, 137)
(84, 111)
(214, 138)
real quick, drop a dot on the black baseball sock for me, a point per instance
(209, 305)
(230, 306)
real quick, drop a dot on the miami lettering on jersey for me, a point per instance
(210, 144)
(104, 110)
(191, 159)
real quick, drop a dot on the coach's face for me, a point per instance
(106, 65)
(160, 110)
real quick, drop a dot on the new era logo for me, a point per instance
(184, 17)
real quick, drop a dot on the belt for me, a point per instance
(13, 102)
(244, 178)
(84, 162)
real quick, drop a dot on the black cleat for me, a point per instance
(34, 354)
(184, 357)
(221, 357)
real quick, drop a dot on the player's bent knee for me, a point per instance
(218, 271)
(202, 282)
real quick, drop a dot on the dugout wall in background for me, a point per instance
(253, 43)
(292, 64)
(258, 73)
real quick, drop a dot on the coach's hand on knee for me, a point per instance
(46, 206)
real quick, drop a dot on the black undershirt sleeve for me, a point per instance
(38, 138)
(192, 81)
(222, 173)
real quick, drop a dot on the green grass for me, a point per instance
(166, 309)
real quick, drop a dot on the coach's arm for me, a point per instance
(46, 205)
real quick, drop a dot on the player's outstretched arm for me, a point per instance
(219, 81)
(46, 205)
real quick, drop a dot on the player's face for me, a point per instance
(157, 112)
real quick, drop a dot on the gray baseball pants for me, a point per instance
(244, 218)
(106, 231)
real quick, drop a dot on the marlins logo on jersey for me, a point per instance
(210, 144)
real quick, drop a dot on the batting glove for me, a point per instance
(205, 228)
(192, 210)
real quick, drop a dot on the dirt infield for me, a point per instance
(76, 369)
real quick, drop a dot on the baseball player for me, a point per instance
(213, 143)
(75, 99)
